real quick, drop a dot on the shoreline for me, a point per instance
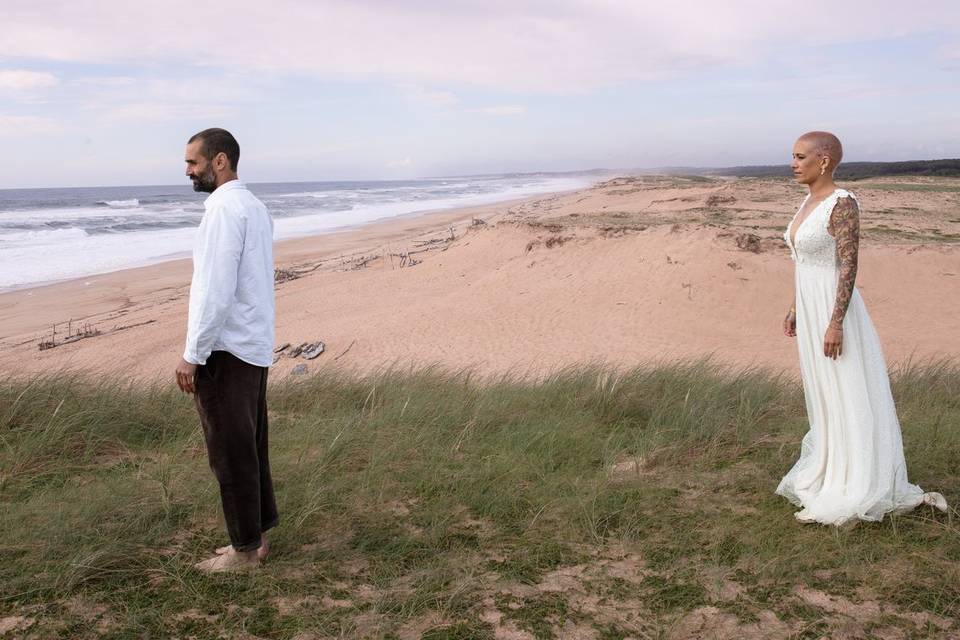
(629, 272)
(174, 257)
(131, 284)
(290, 227)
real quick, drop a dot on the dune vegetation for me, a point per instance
(431, 504)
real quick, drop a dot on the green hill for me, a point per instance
(854, 170)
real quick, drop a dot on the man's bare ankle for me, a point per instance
(262, 551)
(252, 554)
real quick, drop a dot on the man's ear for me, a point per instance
(221, 162)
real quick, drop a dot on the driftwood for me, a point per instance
(85, 330)
(294, 352)
(297, 271)
(313, 350)
(431, 242)
(362, 262)
(406, 260)
(308, 350)
(343, 353)
(448, 239)
(284, 275)
(442, 241)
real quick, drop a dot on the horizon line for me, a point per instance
(596, 170)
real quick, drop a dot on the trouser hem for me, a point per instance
(251, 546)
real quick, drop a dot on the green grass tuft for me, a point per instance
(432, 499)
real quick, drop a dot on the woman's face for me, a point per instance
(806, 162)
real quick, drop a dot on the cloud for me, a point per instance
(529, 46)
(397, 164)
(503, 110)
(159, 112)
(107, 81)
(428, 97)
(435, 99)
(162, 99)
(11, 125)
(20, 80)
(950, 55)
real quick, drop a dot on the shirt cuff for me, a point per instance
(193, 358)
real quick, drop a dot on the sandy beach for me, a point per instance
(631, 271)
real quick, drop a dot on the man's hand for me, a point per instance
(186, 373)
(833, 342)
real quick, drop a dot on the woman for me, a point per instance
(851, 464)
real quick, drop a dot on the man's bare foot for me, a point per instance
(262, 552)
(229, 561)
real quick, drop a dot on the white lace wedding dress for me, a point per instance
(851, 462)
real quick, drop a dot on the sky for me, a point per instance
(96, 93)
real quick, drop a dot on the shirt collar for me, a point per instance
(226, 186)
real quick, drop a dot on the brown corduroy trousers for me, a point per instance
(231, 397)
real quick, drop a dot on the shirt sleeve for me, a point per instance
(214, 285)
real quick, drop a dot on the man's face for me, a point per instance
(199, 168)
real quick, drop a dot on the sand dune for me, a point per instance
(631, 271)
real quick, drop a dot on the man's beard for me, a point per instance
(206, 182)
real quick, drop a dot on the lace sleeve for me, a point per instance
(844, 226)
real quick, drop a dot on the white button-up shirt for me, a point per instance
(231, 294)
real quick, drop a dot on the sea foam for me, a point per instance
(120, 204)
(56, 234)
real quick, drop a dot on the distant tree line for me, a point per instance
(854, 170)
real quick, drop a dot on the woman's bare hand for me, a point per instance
(833, 342)
(790, 324)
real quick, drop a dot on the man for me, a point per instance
(230, 345)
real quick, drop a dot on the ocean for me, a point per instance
(48, 235)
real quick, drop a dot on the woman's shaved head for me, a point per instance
(825, 144)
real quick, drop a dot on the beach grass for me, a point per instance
(892, 234)
(433, 504)
(943, 186)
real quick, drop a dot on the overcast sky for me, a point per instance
(106, 93)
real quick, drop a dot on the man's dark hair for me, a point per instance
(217, 141)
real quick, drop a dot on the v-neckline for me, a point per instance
(793, 232)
